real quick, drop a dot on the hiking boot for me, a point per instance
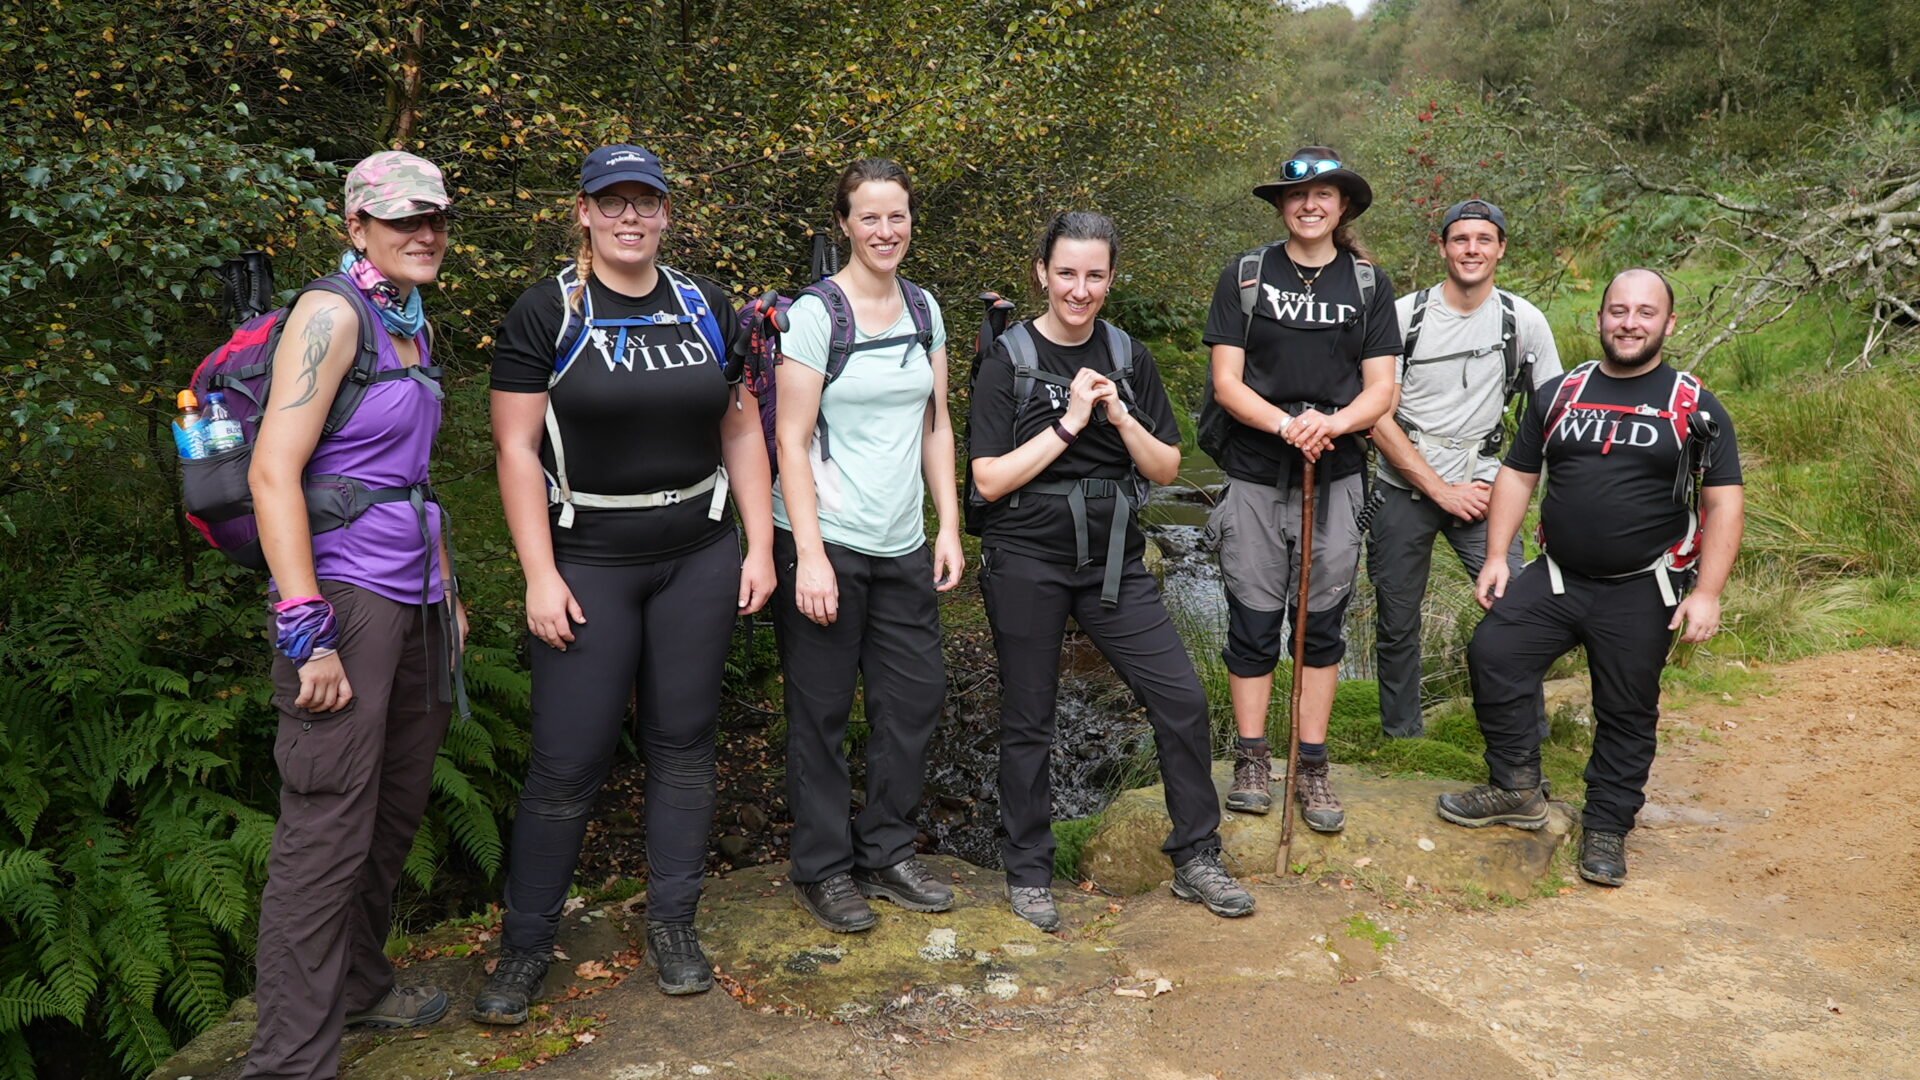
(517, 980)
(1488, 805)
(674, 951)
(403, 1007)
(1202, 880)
(835, 904)
(1603, 857)
(1319, 806)
(1034, 903)
(1252, 782)
(908, 883)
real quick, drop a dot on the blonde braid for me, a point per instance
(582, 259)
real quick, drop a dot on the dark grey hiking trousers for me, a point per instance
(353, 788)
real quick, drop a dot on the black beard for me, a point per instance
(1650, 349)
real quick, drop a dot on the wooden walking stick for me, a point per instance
(1281, 859)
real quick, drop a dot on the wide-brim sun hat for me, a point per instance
(395, 184)
(1320, 164)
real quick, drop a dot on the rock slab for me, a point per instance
(1391, 825)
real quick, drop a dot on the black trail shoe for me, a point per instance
(1034, 903)
(1488, 805)
(1319, 807)
(1603, 857)
(403, 1007)
(517, 980)
(908, 883)
(674, 951)
(835, 904)
(1252, 783)
(1202, 880)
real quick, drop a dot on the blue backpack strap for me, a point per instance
(573, 329)
(694, 303)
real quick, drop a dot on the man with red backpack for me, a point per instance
(1639, 530)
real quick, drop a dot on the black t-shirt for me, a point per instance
(644, 420)
(1041, 526)
(1302, 347)
(1609, 507)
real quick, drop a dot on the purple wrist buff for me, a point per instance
(304, 626)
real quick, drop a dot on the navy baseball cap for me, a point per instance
(612, 165)
(1474, 210)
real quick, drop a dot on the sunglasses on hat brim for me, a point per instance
(1302, 168)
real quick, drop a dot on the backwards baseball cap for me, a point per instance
(612, 165)
(1474, 210)
(395, 184)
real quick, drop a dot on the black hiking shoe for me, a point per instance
(518, 979)
(908, 883)
(1486, 805)
(1319, 807)
(1203, 880)
(403, 1007)
(1603, 857)
(674, 951)
(1034, 903)
(1252, 782)
(835, 904)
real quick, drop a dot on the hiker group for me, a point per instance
(631, 403)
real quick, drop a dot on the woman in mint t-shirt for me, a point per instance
(857, 577)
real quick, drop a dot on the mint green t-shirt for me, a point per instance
(870, 493)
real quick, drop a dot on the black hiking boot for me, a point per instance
(1252, 782)
(1034, 903)
(1319, 807)
(835, 904)
(674, 951)
(403, 1007)
(1603, 857)
(908, 883)
(517, 980)
(1203, 880)
(1486, 805)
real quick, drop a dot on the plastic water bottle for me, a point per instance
(223, 431)
(189, 428)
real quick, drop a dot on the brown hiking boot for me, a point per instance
(1252, 782)
(1319, 806)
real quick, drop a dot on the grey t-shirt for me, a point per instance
(1451, 388)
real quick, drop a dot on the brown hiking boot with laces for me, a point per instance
(1319, 806)
(1252, 784)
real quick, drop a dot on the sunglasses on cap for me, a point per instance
(1301, 168)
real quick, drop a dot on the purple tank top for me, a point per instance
(386, 444)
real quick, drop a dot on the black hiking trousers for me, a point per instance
(887, 637)
(1622, 623)
(1028, 603)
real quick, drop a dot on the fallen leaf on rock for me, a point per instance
(1833, 1006)
(561, 954)
(1363, 862)
(593, 969)
(1089, 886)
(492, 963)
(585, 1037)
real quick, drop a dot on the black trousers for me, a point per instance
(887, 634)
(1623, 624)
(656, 634)
(1028, 602)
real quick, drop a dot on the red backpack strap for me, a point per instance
(1564, 398)
(1683, 403)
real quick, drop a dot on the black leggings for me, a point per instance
(658, 631)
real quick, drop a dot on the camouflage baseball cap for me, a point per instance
(395, 184)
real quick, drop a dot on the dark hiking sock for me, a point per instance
(1313, 751)
(1251, 747)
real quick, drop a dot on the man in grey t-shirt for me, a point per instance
(1470, 349)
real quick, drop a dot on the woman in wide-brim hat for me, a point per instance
(1304, 338)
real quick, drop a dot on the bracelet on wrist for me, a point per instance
(1066, 436)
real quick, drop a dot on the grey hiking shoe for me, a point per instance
(403, 1007)
(674, 951)
(1603, 857)
(517, 980)
(1319, 807)
(1035, 904)
(1203, 880)
(1252, 782)
(1485, 805)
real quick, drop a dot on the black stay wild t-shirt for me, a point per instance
(1302, 346)
(1041, 526)
(1609, 507)
(633, 421)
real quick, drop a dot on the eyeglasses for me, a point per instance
(614, 206)
(1301, 168)
(437, 220)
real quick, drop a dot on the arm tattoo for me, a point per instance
(319, 339)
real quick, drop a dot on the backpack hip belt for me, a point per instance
(568, 499)
(1077, 493)
(1663, 570)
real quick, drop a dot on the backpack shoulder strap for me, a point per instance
(1120, 353)
(1252, 263)
(921, 313)
(1412, 337)
(1367, 278)
(1510, 340)
(1567, 395)
(693, 303)
(1026, 363)
(840, 325)
(366, 358)
(1683, 402)
(572, 336)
